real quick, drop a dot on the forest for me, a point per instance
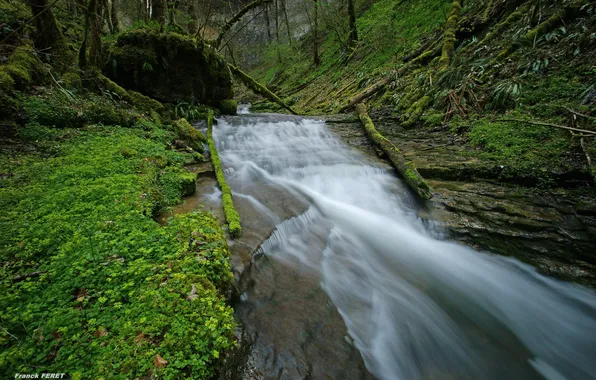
(175, 173)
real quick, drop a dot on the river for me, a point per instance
(342, 280)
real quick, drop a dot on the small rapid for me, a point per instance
(416, 306)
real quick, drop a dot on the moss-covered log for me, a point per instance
(500, 27)
(449, 36)
(402, 165)
(551, 23)
(230, 212)
(259, 88)
(370, 91)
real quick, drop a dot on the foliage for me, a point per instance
(52, 107)
(191, 111)
(118, 296)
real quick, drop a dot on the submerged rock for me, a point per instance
(169, 67)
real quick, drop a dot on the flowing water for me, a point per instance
(344, 251)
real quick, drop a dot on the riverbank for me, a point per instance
(486, 205)
(91, 284)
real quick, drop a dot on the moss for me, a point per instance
(228, 107)
(169, 67)
(449, 35)
(230, 212)
(109, 85)
(55, 109)
(537, 150)
(190, 135)
(20, 69)
(416, 110)
(188, 183)
(433, 118)
(72, 80)
(6, 81)
(406, 168)
(258, 88)
(145, 103)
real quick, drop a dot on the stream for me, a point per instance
(341, 280)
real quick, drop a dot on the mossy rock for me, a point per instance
(188, 183)
(190, 135)
(169, 67)
(144, 103)
(72, 80)
(228, 107)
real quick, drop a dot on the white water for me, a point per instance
(417, 307)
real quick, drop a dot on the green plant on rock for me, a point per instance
(114, 292)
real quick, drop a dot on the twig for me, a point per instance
(23, 277)
(548, 125)
(580, 114)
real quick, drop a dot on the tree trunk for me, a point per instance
(353, 29)
(193, 24)
(449, 36)
(285, 10)
(95, 25)
(158, 9)
(91, 9)
(115, 19)
(406, 168)
(48, 34)
(317, 58)
(277, 31)
(268, 24)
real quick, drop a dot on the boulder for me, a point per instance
(169, 67)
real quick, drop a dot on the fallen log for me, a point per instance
(405, 168)
(230, 212)
(259, 88)
(561, 17)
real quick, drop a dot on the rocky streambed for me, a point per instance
(552, 228)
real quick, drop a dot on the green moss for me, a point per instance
(145, 103)
(72, 80)
(535, 149)
(449, 35)
(6, 81)
(228, 107)
(230, 212)
(169, 67)
(433, 118)
(20, 69)
(116, 289)
(54, 108)
(415, 111)
(190, 135)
